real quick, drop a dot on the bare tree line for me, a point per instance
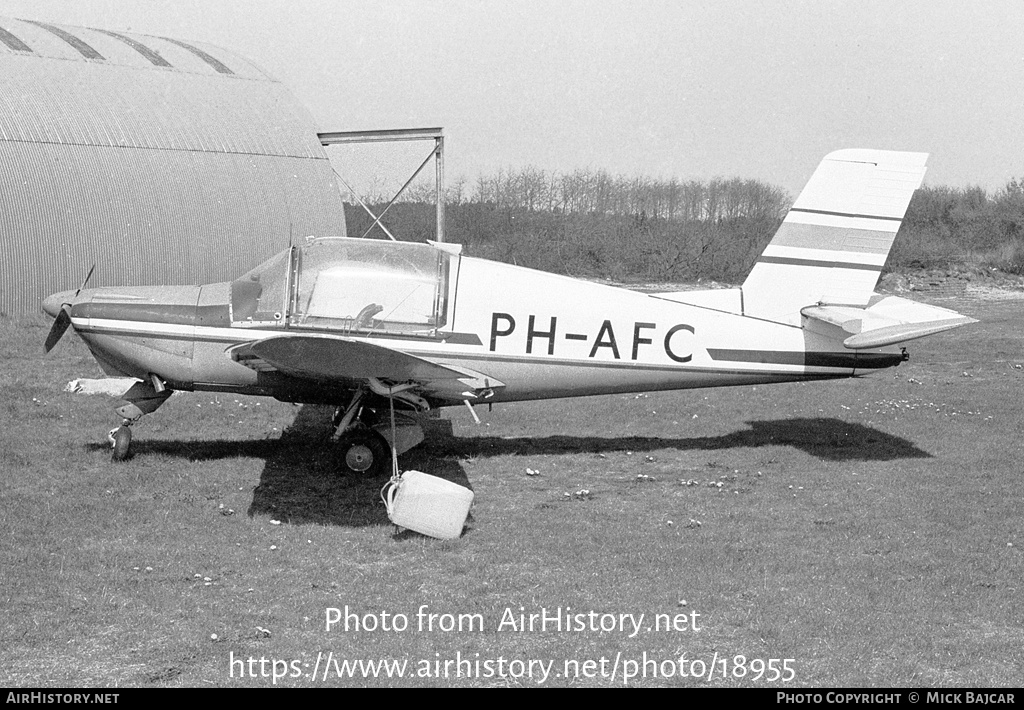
(599, 192)
(593, 223)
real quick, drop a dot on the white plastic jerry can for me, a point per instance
(429, 505)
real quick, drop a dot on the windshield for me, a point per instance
(349, 284)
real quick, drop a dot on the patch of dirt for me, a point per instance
(977, 283)
(971, 282)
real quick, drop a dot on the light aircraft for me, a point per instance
(367, 325)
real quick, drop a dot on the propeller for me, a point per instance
(60, 325)
(63, 317)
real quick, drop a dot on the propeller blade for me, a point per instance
(59, 327)
(87, 277)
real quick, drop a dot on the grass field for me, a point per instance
(869, 530)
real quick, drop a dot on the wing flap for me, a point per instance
(321, 357)
(329, 358)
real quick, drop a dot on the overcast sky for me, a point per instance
(682, 88)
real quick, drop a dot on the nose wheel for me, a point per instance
(142, 398)
(121, 442)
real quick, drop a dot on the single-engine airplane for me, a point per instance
(366, 324)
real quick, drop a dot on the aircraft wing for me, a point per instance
(330, 358)
(887, 321)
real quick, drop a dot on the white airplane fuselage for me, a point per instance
(542, 335)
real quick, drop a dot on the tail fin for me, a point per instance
(834, 242)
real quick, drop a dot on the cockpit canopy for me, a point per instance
(362, 285)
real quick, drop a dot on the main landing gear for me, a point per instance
(365, 452)
(363, 443)
(360, 449)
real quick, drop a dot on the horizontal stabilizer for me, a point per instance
(901, 333)
(887, 321)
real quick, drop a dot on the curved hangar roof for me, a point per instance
(159, 160)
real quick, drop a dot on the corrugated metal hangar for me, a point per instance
(159, 160)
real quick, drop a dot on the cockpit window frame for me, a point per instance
(406, 262)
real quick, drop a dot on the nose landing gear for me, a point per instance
(121, 441)
(142, 398)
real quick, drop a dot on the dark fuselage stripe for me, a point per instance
(155, 313)
(238, 334)
(218, 316)
(808, 359)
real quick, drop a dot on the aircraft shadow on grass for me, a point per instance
(301, 483)
(824, 438)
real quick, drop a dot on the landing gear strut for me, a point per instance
(360, 449)
(364, 442)
(142, 398)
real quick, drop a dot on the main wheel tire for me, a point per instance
(365, 453)
(122, 443)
